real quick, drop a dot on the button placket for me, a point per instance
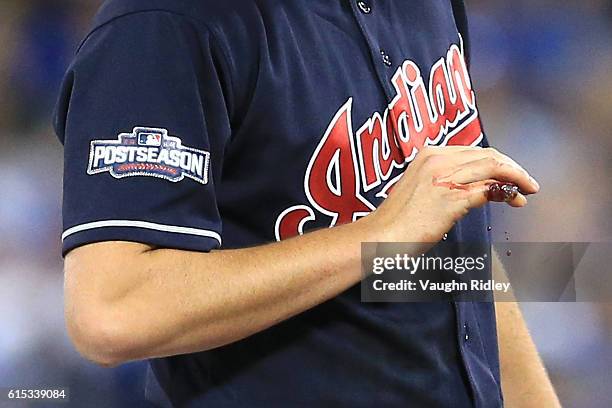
(364, 15)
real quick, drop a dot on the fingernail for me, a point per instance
(535, 183)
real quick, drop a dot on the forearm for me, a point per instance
(525, 382)
(175, 302)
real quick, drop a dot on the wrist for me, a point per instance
(372, 228)
(376, 227)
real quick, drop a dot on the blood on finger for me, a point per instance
(502, 192)
(496, 191)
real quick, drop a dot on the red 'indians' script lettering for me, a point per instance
(346, 165)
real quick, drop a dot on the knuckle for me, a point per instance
(506, 159)
(494, 162)
(493, 151)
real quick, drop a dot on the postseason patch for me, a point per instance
(148, 152)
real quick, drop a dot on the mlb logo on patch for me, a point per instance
(148, 152)
(149, 139)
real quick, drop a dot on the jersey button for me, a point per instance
(364, 7)
(466, 332)
(386, 59)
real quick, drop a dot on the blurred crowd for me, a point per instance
(541, 68)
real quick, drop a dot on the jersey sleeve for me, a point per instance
(144, 120)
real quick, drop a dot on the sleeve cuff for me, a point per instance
(162, 235)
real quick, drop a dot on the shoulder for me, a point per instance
(234, 25)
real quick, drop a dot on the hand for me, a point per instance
(439, 188)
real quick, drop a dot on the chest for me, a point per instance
(345, 95)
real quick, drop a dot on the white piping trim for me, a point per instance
(141, 224)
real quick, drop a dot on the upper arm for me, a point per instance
(95, 277)
(96, 272)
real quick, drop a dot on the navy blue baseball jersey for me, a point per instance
(202, 125)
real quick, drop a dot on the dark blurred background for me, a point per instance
(542, 70)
